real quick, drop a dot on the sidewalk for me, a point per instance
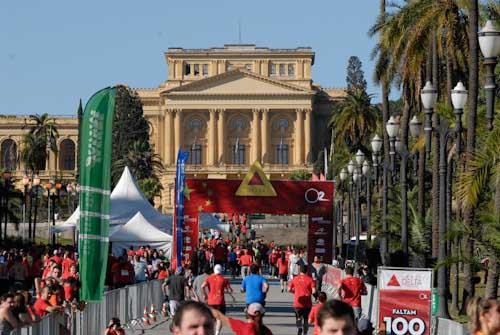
(279, 312)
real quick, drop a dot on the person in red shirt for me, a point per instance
(254, 324)
(314, 312)
(245, 261)
(42, 305)
(66, 263)
(283, 270)
(351, 289)
(303, 287)
(216, 284)
(56, 257)
(273, 260)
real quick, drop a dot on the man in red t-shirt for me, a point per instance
(351, 289)
(253, 325)
(303, 287)
(216, 284)
(66, 263)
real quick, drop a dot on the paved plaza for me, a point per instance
(279, 312)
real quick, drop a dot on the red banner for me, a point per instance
(404, 301)
(277, 197)
(190, 232)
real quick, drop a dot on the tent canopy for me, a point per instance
(137, 232)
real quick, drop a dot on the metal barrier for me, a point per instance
(126, 303)
(450, 327)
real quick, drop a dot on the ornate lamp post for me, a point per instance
(343, 176)
(458, 99)
(350, 169)
(429, 96)
(366, 173)
(34, 193)
(392, 128)
(360, 158)
(489, 43)
(376, 144)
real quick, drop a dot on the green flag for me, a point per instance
(95, 171)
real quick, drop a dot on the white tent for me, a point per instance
(127, 199)
(137, 232)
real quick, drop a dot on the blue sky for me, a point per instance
(58, 51)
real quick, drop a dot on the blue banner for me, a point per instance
(182, 157)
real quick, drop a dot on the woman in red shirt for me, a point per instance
(283, 271)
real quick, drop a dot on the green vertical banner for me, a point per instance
(95, 175)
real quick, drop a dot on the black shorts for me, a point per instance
(302, 312)
(220, 308)
(284, 277)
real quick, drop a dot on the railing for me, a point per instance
(126, 303)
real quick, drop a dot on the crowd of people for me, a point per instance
(36, 280)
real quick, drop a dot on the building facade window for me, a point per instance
(272, 69)
(230, 67)
(195, 155)
(282, 69)
(196, 70)
(282, 154)
(67, 155)
(187, 69)
(239, 154)
(9, 155)
(248, 67)
(204, 69)
(291, 70)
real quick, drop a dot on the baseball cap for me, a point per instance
(217, 269)
(255, 308)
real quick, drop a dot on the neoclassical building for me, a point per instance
(228, 107)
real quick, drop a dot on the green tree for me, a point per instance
(355, 76)
(151, 187)
(141, 160)
(43, 129)
(300, 175)
(129, 126)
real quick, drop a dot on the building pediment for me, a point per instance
(238, 82)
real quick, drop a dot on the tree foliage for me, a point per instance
(355, 76)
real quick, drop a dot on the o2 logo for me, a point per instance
(313, 196)
(401, 326)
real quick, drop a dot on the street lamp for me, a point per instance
(350, 167)
(392, 128)
(489, 43)
(376, 144)
(459, 99)
(343, 176)
(429, 96)
(415, 126)
(366, 173)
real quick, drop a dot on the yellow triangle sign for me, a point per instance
(256, 183)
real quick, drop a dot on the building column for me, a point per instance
(255, 136)
(211, 138)
(168, 132)
(265, 136)
(299, 135)
(220, 137)
(177, 130)
(307, 135)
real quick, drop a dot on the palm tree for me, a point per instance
(150, 187)
(33, 153)
(141, 160)
(354, 120)
(44, 130)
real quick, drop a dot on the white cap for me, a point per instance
(217, 269)
(255, 307)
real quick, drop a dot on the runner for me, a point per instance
(216, 284)
(254, 324)
(313, 315)
(176, 286)
(193, 318)
(351, 289)
(198, 283)
(255, 287)
(283, 271)
(303, 287)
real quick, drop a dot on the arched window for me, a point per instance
(9, 154)
(67, 155)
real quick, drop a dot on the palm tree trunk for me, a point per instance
(405, 118)
(449, 76)
(469, 214)
(421, 183)
(435, 156)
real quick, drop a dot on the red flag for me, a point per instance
(322, 177)
(314, 177)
